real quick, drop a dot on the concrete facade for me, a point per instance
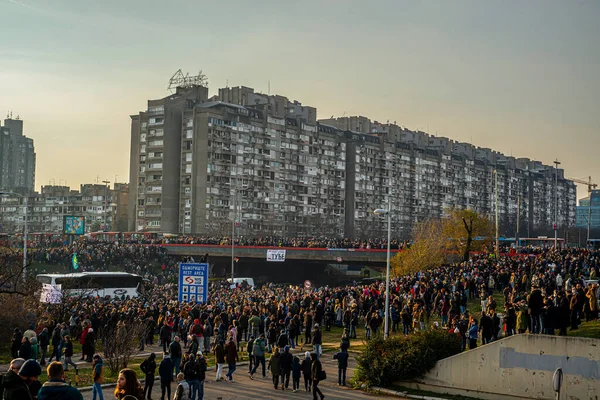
(98, 203)
(197, 164)
(520, 367)
(17, 158)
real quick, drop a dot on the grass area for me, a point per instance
(587, 329)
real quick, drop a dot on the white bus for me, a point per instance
(101, 284)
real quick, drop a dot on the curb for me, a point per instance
(404, 394)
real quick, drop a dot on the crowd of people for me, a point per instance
(549, 292)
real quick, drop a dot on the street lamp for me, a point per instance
(556, 164)
(3, 193)
(381, 211)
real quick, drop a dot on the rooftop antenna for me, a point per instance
(269, 89)
(226, 83)
(186, 81)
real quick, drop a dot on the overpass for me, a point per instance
(346, 256)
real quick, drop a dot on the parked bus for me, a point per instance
(101, 284)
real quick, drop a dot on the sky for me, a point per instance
(520, 77)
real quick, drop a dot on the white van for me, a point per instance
(237, 281)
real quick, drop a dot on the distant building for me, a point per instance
(103, 208)
(266, 162)
(17, 158)
(589, 207)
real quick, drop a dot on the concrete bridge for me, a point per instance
(345, 256)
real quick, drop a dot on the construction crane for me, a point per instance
(591, 186)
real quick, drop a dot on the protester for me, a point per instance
(148, 367)
(317, 375)
(56, 388)
(128, 385)
(97, 377)
(19, 386)
(165, 371)
(342, 359)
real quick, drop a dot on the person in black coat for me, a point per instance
(16, 343)
(56, 339)
(342, 359)
(44, 341)
(165, 370)
(285, 364)
(25, 349)
(307, 371)
(148, 367)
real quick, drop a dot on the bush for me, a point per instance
(384, 362)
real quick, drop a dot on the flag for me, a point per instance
(237, 259)
(74, 261)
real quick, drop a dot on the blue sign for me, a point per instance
(193, 283)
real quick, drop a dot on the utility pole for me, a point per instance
(106, 183)
(517, 237)
(556, 163)
(233, 222)
(497, 226)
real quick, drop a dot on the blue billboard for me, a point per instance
(193, 283)
(74, 225)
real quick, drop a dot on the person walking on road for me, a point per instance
(165, 371)
(296, 372)
(286, 362)
(317, 374)
(259, 355)
(307, 371)
(175, 353)
(342, 359)
(231, 356)
(275, 367)
(97, 375)
(148, 367)
(219, 360)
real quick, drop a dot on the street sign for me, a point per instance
(307, 284)
(276, 255)
(193, 283)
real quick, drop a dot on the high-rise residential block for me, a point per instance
(17, 158)
(268, 165)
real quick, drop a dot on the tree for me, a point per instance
(426, 252)
(121, 342)
(466, 231)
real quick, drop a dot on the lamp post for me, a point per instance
(25, 230)
(381, 211)
(556, 163)
(497, 226)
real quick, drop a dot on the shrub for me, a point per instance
(384, 362)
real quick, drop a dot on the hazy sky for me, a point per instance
(520, 76)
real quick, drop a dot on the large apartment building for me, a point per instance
(267, 163)
(17, 158)
(103, 208)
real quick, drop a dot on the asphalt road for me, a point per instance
(244, 388)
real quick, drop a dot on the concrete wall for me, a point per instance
(520, 367)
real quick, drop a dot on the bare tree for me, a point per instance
(121, 341)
